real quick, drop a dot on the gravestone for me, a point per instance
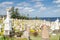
(44, 32)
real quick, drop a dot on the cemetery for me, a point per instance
(17, 29)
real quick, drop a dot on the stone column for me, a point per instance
(44, 32)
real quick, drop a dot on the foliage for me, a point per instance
(35, 34)
(1, 33)
(19, 34)
(32, 31)
(16, 14)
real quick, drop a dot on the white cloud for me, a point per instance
(56, 11)
(23, 4)
(40, 6)
(58, 5)
(25, 7)
(43, 8)
(36, 0)
(56, 1)
(19, 7)
(5, 4)
(29, 9)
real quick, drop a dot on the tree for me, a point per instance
(36, 17)
(14, 13)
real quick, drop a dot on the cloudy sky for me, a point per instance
(40, 8)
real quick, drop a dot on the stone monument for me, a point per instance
(44, 32)
(8, 23)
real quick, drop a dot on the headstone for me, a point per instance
(44, 32)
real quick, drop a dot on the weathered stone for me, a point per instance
(44, 32)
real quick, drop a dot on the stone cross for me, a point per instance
(44, 32)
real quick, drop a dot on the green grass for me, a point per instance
(52, 37)
(36, 38)
(56, 37)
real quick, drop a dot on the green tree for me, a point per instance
(14, 13)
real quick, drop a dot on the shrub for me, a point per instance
(32, 31)
(35, 33)
(19, 34)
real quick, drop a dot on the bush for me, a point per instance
(19, 34)
(35, 33)
(32, 31)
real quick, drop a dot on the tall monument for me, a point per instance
(7, 23)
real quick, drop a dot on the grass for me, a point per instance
(36, 38)
(52, 37)
(55, 37)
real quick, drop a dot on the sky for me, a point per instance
(39, 8)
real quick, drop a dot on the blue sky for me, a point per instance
(40, 8)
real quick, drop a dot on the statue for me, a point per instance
(7, 23)
(44, 32)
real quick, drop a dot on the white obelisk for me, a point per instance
(7, 22)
